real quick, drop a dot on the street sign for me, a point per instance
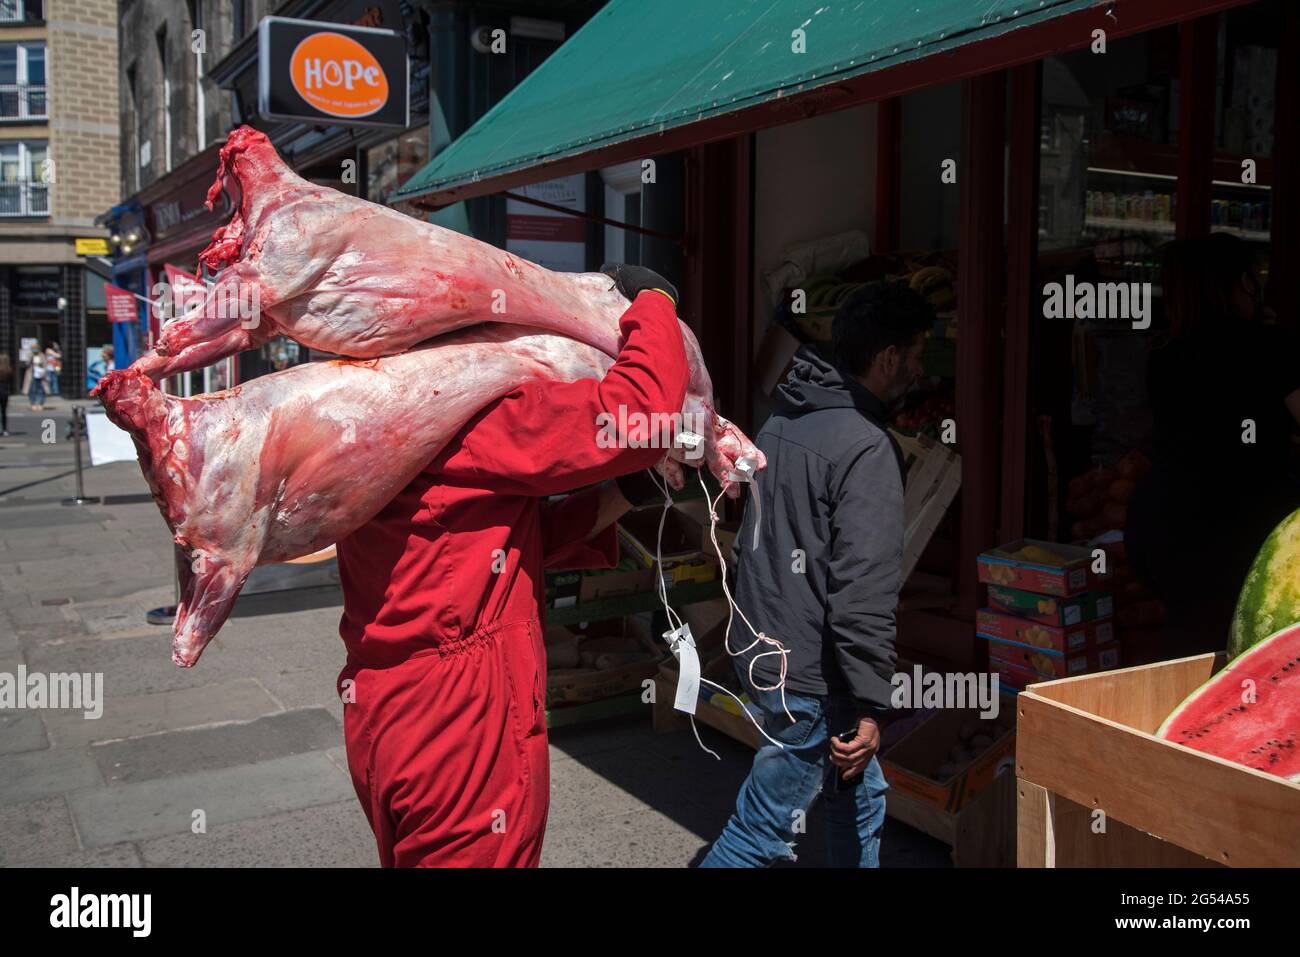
(92, 247)
(332, 73)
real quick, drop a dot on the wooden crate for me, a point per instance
(933, 478)
(1087, 744)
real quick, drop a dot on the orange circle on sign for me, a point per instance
(338, 76)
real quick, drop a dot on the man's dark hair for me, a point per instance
(877, 316)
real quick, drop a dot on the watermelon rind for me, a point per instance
(1275, 659)
(1270, 598)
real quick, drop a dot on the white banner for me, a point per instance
(107, 442)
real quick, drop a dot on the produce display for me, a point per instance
(975, 737)
(289, 463)
(1098, 500)
(1046, 620)
(1270, 598)
(1250, 711)
(1098, 503)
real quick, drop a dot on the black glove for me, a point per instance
(633, 280)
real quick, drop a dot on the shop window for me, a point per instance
(391, 164)
(1244, 123)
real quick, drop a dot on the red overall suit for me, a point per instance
(445, 683)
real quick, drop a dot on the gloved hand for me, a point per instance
(633, 280)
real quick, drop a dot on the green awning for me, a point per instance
(642, 67)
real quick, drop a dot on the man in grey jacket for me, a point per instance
(824, 582)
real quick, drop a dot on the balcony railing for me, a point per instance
(22, 101)
(24, 198)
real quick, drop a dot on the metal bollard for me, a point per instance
(78, 430)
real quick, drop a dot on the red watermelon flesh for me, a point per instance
(1250, 711)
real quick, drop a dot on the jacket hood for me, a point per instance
(814, 383)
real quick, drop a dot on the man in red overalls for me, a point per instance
(445, 684)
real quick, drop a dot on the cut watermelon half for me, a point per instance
(1250, 711)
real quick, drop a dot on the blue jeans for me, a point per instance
(54, 382)
(36, 395)
(772, 808)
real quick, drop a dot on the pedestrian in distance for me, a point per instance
(53, 366)
(6, 375)
(36, 397)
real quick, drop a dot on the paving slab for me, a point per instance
(38, 774)
(21, 731)
(43, 518)
(148, 809)
(640, 838)
(331, 835)
(118, 856)
(128, 716)
(223, 746)
(35, 829)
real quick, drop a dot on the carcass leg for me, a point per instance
(209, 587)
(158, 366)
(226, 322)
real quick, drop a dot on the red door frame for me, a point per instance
(889, 140)
(718, 280)
(980, 300)
(1022, 301)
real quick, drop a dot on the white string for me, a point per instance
(673, 616)
(759, 637)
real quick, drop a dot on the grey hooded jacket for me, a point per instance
(824, 578)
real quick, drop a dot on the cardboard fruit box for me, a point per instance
(1051, 664)
(1047, 610)
(682, 560)
(1088, 744)
(602, 670)
(1046, 568)
(912, 766)
(1035, 635)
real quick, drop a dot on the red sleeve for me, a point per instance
(566, 525)
(550, 437)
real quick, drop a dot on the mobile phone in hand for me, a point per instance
(842, 783)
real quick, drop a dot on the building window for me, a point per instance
(200, 101)
(21, 11)
(22, 81)
(164, 69)
(23, 190)
(133, 105)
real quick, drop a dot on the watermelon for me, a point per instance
(1270, 598)
(1250, 711)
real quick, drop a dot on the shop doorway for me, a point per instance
(27, 333)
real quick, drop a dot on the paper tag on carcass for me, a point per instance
(688, 668)
(692, 442)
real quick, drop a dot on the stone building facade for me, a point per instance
(59, 170)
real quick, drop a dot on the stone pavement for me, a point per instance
(252, 736)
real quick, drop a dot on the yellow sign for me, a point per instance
(92, 247)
